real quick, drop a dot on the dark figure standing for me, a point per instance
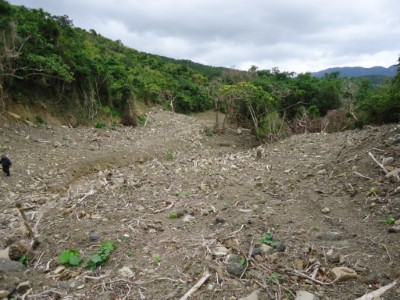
(6, 164)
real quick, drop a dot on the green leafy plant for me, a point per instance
(267, 239)
(243, 261)
(100, 125)
(390, 220)
(172, 215)
(24, 260)
(70, 258)
(263, 200)
(186, 194)
(226, 206)
(100, 257)
(39, 120)
(170, 155)
(157, 259)
(142, 120)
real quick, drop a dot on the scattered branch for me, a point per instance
(379, 292)
(377, 162)
(196, 286)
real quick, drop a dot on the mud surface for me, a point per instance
(180, 202)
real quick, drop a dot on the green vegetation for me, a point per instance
(45, 58)
(157, 259)
(100, 257)
(267, 239)
(172, 215)
(390, 220)
(70, 258)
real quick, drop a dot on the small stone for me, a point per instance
(344, 274)
(4, 253)
(235, 269)
(126, 272)
(259, 258)
(7, 265)
(303, 295)
(322, 172)
(188, 219)
(256, 251)
(325, 210)
(329, 253)
(387, 161)
(16, 251)
(94, 235)
(59, 270)
(23, 287)
(394, 229)
(4, 294)
(252, 296)
(220, 251)
(266, 249)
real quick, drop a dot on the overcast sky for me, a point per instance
(293, 35)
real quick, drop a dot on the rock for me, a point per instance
(322, 172)
(252, 296)
(326, 210)
(7, 265)
(393, 173)
(266, 249)
(280, 248)
(126, 272)
(17, 250)
(23, 287)
(4, 254)
(259, 258)
(344, 274)
(387, 161)
(394, 229)
(4, 294)
(59, 270)
(220, 251)
(303, 295)
(256, 251)
(235, 269)
(188, 218)
(94, 235)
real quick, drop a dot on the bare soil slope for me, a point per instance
(181, 204)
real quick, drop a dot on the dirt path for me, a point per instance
(178, 202)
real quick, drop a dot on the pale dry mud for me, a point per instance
(179, 202)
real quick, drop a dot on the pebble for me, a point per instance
(4, 294)
(94, 235)
(303, 295)
(344, 274)
(23, 287)
(7, 265)
(126, 272)
(235, 269)
(326, 210)
(252, 296)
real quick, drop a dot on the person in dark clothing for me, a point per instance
(6, 164)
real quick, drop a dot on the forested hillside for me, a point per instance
(46, 59)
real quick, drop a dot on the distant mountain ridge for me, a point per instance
(359, 71)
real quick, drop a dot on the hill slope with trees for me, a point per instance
(83, 77)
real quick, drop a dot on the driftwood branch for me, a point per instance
(196, 286)
(377, 162)
(377, 293)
